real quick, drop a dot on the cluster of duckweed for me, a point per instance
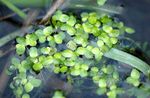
(70, 45)
(107, 79)
(134, 78)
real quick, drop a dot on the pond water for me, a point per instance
(135, 14)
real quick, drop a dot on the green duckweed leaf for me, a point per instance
(104, 37)
(56, 70)
(75, 72)
(116, 75)
(33, 52)
(135, 74)
(129, 30)
(39, 33)
(100, 43)
(113, 40)
(71, 45)
(26, 64)
(64, 27)
(45, 50)
(48, 30)
(133, 81)
(89, 47)
(84, 67)
(113, 87)
(101, 2)
(110, 69)
(25, 96)
(28, 87)
(77, 26)
(58, 38)
(79, 40)
(50, 38)
(63, 69)
(21, 40)
(19, 91)
(92, 19)
(58, 55)
(63, 18)
(101, 91)
(20, 49)
(98, 57)
(71, 21)
(97, 24)
(35, 82)
(71, 30)
(87, 27)
(21, 69)
(102, 83)
(48, 60)
(96, 78)
(37, 66)
(31, 39)
(94, 69)
(112, 94)
(32, 36)
(95, 51)
(42, 39)
(107, 28)
(58, 94)
(95, 31)
(83, 73)
(84, 16)
(88, 54)
(81, 50)
(30, 42)
(104, 49)
(57, 15)
(106, 19)
(68, 53)
(24, 81)
(114, 33)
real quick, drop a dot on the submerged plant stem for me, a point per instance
(14, 8)
(129, 59)
(12, 36)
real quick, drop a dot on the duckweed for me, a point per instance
(25, 96)
(71, 46)
(28, 87)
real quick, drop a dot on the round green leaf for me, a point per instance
(33, 52)
(35, 82)
(48, 30)
(102, 83)
(45, 50)
(28, 87)
(25, 96)
(37, 66)
(71, 45)
(135, 74)
(129, 30)
(20, 49)
(21, 40)
(101, 2)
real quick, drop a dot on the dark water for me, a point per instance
(136, 14)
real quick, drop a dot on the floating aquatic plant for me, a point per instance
(74, 45)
